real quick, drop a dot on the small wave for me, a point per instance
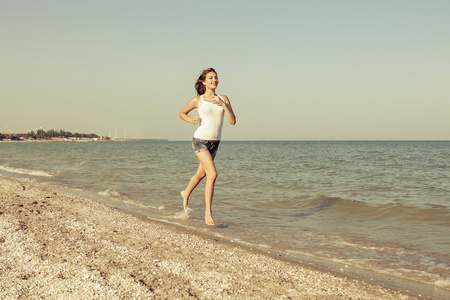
(316, 205)
(358, 209)
(399, 212)
(111, 192)
(326, 201)
(26, 171)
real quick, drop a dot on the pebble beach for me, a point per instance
(56, 245)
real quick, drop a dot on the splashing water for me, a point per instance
(183, 215)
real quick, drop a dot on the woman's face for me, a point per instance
(211, 80)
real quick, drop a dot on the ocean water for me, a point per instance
(381, 206)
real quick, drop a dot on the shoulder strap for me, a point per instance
(200, 102)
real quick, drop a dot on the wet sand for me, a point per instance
(55, 245)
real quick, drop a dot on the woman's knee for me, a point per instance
(211, 176)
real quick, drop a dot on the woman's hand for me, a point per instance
(214, 99)
(225, 103)
(195, 120)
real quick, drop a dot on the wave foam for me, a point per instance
(26, 171)
(443, 283)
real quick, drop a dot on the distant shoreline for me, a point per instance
(82, 140)
(66, 141)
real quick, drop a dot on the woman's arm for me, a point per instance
(225, 102)
(228, 109)
(192, 104)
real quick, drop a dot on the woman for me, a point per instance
(211, 108)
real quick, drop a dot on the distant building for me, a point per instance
(25, 135)
(17, 136)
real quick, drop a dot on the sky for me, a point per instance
(293, 70)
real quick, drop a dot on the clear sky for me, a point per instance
(293, 70)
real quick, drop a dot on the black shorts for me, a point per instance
(199, 145)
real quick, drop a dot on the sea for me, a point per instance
(373, 209)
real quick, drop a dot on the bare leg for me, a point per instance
(195, 180)
(207, 162)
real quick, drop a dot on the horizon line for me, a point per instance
(316, 140)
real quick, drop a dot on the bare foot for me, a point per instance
(185, 199)
(209, 220)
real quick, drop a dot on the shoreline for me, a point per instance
(55, 244)
(69, 141)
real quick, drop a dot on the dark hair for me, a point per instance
(199, 87)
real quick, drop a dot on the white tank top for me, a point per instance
(211, 120)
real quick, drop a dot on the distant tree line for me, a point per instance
(45, 135)
(49, 134)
